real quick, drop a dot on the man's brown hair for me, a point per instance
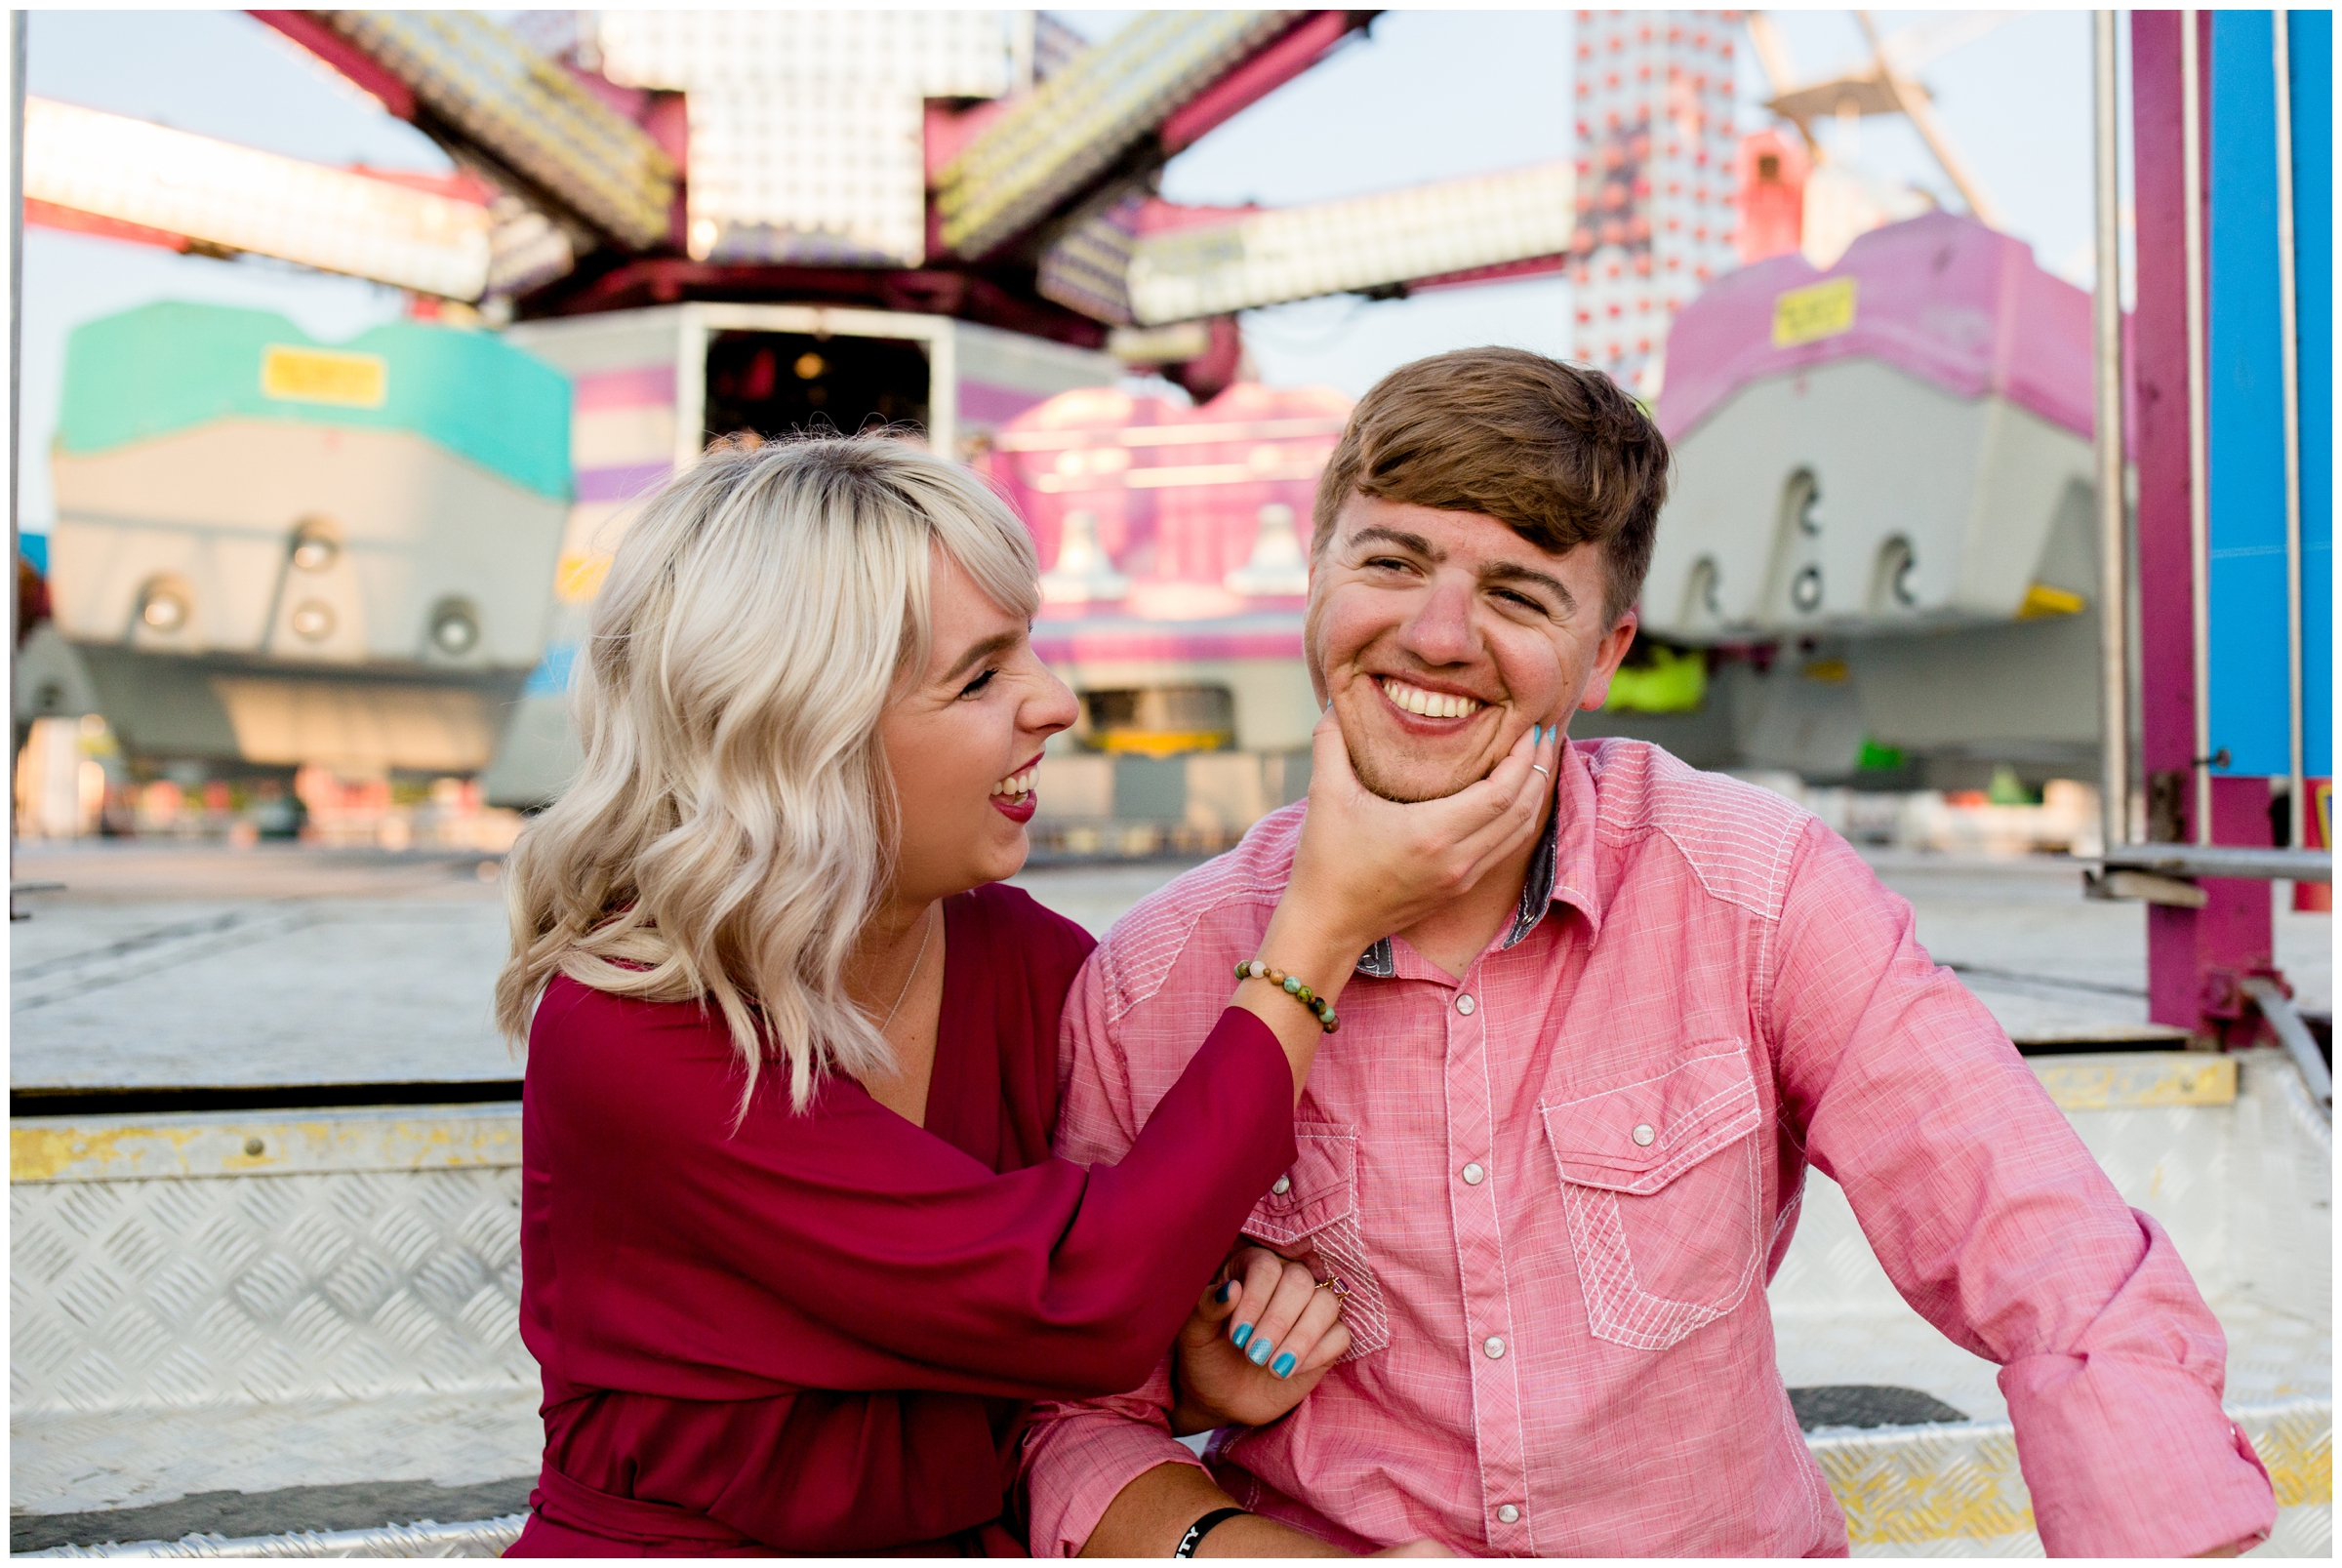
(1557, 451)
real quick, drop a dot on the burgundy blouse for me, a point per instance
(817, 1334)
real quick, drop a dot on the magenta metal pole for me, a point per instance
(2197, 958)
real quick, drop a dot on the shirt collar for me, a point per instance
(1561, 868)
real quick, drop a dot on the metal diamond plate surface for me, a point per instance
(1957, 1490)
(178, 1293)
(487, 1537)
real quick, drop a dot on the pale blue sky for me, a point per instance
(1429, 94)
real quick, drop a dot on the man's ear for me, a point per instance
(1311, 618)
(1609, 653)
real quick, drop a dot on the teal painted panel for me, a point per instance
(170, 367)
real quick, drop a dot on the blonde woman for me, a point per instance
(794, 1252)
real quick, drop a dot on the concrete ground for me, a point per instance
(167, 964)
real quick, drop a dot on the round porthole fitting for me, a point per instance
(455, 629)
(314, 620)
(1806, 590)
(1892, 583)
(316, 545)
(164, 608)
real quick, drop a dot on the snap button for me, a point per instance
(1473, 1176)
(1495, 1349)
(1285, 1183)
(1465, 1004)
(1643, 1134)
(1508, 1514)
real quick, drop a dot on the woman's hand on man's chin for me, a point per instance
(1246, 1359)
(1366, 866)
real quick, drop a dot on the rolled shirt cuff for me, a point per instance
(2127, 1457)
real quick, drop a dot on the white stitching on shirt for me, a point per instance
(1341, 1242)
(1136, 970)
(1618, 1308)
(1730, 827)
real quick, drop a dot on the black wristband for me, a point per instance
(1203, 1527)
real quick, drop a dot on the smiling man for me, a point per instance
(1557, 1147)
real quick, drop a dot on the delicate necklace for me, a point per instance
(918, 959)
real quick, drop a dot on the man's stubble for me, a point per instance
(1381, 775)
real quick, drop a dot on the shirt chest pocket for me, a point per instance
(1659, 1182)
(1313, 1208)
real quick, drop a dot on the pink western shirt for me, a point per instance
(1557, 1185)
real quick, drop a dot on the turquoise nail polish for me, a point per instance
(1242, 1333)
(1283, 1366)
(1260, 1352)
(1226, 1292)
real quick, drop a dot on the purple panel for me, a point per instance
(641, 387)
(1941, 297)
(1112, 636)
(622, 483)
(989, 404)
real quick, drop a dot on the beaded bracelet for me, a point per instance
(1255, 969)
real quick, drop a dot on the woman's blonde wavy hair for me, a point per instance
(731, 829)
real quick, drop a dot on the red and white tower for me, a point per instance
(1656, 178)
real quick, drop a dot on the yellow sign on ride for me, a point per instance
(324, 376)
(1806, 315)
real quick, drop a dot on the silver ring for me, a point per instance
(1540, 766)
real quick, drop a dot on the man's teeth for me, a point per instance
(1018, 783)
(1430, 704)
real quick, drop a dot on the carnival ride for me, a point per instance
(276, 553)
(953, 216)
(718, 222)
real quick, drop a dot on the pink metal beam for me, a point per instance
(1503, 272)
(1292, 52)
(46, 214)
(2195, 958)
(307, 30)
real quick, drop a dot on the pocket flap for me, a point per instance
(1638, 1137)
(1320, 1189)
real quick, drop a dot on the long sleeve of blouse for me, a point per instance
(843, 1248)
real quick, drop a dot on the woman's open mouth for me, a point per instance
(1013, 796)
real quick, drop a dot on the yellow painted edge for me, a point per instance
(148, 1152)
(2040, 599)
(2188, 1080)
(1161, 742)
